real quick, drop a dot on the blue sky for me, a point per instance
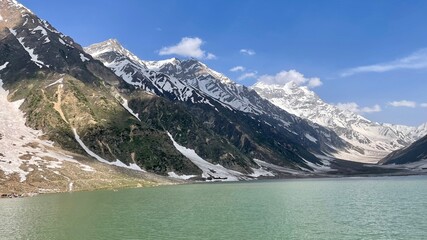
(369, 55)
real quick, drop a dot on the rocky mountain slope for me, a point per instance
(414, 156)
(70, 100)
(374, 140)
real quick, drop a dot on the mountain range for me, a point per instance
(78, 113)
(374, 140)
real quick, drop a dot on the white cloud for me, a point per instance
(188, 47)
(424, 105)
(375, 108)
(284, 77)
(403, 103)
(417, 60)
(314, 82)
(238, 69)
(247, 75)
(354, 107)
(210, 56)
(249, 52)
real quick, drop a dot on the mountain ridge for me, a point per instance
(196, 75)
(376, 139)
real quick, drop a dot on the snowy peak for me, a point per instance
(212, 83)
(290, 97)
(188, 80)
(111, 45)
(142, 74)
(106, 46)
(189, 67)
(202, 70)
(156, 65)
(290, 88)
(31, 44)
(374, 139)
(114, 46)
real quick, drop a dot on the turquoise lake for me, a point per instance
(344, 208)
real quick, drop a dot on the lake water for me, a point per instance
(348, 208)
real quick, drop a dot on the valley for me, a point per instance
(76, 118)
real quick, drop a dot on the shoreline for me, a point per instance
(175, 182)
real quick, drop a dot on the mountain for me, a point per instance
(373, 140)
(193, 83)
(192, 76)
(70, 113)
(413, 156)
(79, 106)
(79, 119)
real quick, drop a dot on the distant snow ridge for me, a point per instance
(373, 140)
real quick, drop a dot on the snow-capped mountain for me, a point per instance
(44, 76)
(213, 89)
(376, 140)
(84, 108)
(65, 93)
(137, 73)
(411, 133)
(196, 74)
(36, 35)
(173, 78)
(119, 113)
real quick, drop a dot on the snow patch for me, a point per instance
(70, 186)
(41, 29)
(278, 168)
(320, 168)
(4, 66)
(184, 177)
(20, 145)
(59, 81)
(311, 138)
(30, 51)
(83, 57)
(258, 172)
(210, 171)
(126, 106)
(62, 41)
(117, 163)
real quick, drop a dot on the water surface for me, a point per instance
(347, 208)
